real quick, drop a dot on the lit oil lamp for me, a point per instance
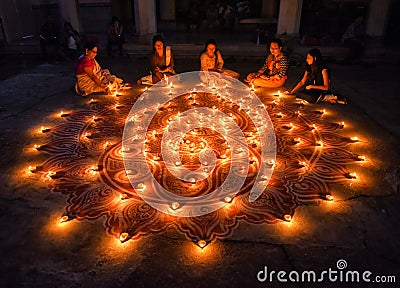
(96, 168)
(360, 158)
(123, 237)
(228, 199)
(302, 164)
(107, 144)
(329, 197)
(45, 129)
(202, 243)
(175, 205)
(141, 186)
(64, 218)
(287, 217)
(352, 175)
(271, 163)
(52, 174)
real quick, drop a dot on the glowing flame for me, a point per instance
(361, 158)
(287, 217)
(329, 197)
(174, 205)
(353, 175)
(202, 243)
(141, 186)
(123, 236)
(228, 199)
(64, 218)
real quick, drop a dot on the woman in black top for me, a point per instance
(161, 62)
(315, 79)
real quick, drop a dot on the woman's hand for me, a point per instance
(308, 87)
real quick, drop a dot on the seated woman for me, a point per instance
(161, 62)
(315, 79)
(90, 78)
(211, 60)
(273, 72)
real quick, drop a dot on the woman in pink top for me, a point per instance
(90, 78)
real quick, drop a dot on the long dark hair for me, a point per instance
(158, 38)
(90, 45)
(208, 42)
(317, 65)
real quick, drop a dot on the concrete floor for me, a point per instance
(362, 228)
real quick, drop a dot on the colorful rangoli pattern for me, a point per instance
(85, 164)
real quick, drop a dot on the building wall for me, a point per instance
(24, 17)
(95, 16)
(17, 18)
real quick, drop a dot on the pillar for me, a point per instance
(378, 11)
(167, 10)
(289, 17)
(145, 17)
(12, 26)
(69, 13)
(269, 9)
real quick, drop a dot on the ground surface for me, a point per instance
(362, 228)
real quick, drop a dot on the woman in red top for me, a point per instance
(89, 75)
